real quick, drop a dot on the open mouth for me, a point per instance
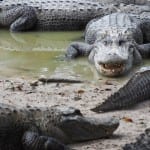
(112, 69)
(112, 66)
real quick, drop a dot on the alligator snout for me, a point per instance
(111, 58)
(111, 64)
(80, 128)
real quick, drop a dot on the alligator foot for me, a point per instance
(19, 18)
(144, 50)
(32, 140)
(142, 142)
(78, 49)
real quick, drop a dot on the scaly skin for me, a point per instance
(142, 142)
(22, 15)
(49, 128)
(115, 42)
(136, 90)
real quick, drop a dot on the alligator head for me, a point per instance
(77, 128)
(115, 54)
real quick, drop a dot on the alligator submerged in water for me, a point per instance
(49, 128)
(117, 41)
(136, 90)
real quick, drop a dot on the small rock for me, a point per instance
(108, 83)
(108, 89)
(77, 98)
(80, 91)
(127, 119)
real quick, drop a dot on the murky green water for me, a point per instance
(33, 54)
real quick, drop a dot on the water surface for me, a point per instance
(33, 54)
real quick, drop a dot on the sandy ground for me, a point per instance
(83, 96)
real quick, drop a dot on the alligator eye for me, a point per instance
(131, 48)
(121, 42)
(105, 42)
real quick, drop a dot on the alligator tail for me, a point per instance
(136, 90)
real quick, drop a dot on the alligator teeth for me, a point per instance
(112, 66)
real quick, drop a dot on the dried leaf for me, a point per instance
(80, 91)
(127, 119)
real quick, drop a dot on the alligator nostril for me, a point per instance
(99, 62)
(112, 54)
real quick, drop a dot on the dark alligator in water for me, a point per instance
(142, 142)
(136, 90)
(49, 128)
(115, 42)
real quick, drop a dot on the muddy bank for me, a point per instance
(84, 96)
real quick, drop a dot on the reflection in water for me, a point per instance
(33, 54)
(37, 41)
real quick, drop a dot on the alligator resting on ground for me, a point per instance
(142, 142)
(49, 128)
(117, 41)
(136, 90)
(22, 15)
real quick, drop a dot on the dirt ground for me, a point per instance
(84, 96)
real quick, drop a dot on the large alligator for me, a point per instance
(134, 91)
(142, 142)
(22, 15)
(117, 41)
(49, 128)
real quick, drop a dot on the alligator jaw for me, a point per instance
(112, 69)
(80, 128)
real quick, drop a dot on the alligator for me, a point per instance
(22, 15)
(115, 42)
(134, 91)
(142, 142)
(49, 128)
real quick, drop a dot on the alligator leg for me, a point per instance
(78, 49)
(18, 136)
(144, 50)
(34, 141)
(19, 18)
